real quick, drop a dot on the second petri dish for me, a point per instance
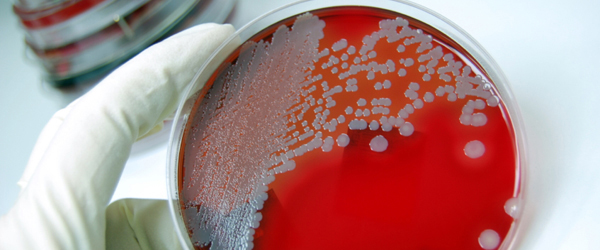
(349, 127)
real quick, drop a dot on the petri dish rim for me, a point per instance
(412, 10)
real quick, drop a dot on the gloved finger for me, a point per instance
(62, 205)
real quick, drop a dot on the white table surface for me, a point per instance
(548, 50)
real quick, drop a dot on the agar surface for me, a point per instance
(285, 97)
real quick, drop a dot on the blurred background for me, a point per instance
(548, 50)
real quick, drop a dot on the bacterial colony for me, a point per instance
(286, 97)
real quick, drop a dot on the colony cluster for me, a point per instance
(348, 66)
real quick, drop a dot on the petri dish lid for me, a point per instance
(317, 96)
(30, 5)
(99, 52)
(76, 27)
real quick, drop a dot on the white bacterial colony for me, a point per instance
(474, 149)
(275, 104)
(343, 140)
(512, 207)
(489, 239)
(378, 144)
(407, 129)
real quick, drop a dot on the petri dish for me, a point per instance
(348, 125)
(81, 40)
(68, 22)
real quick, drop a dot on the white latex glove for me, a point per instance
(77, 161)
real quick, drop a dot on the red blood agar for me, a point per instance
(425, 190)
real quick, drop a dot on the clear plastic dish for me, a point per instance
(89, 42)
(113, 44)
(347, 125)
(98, 17)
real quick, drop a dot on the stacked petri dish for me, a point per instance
(75, 40)
(348, 125)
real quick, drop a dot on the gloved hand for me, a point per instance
(76, 163)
